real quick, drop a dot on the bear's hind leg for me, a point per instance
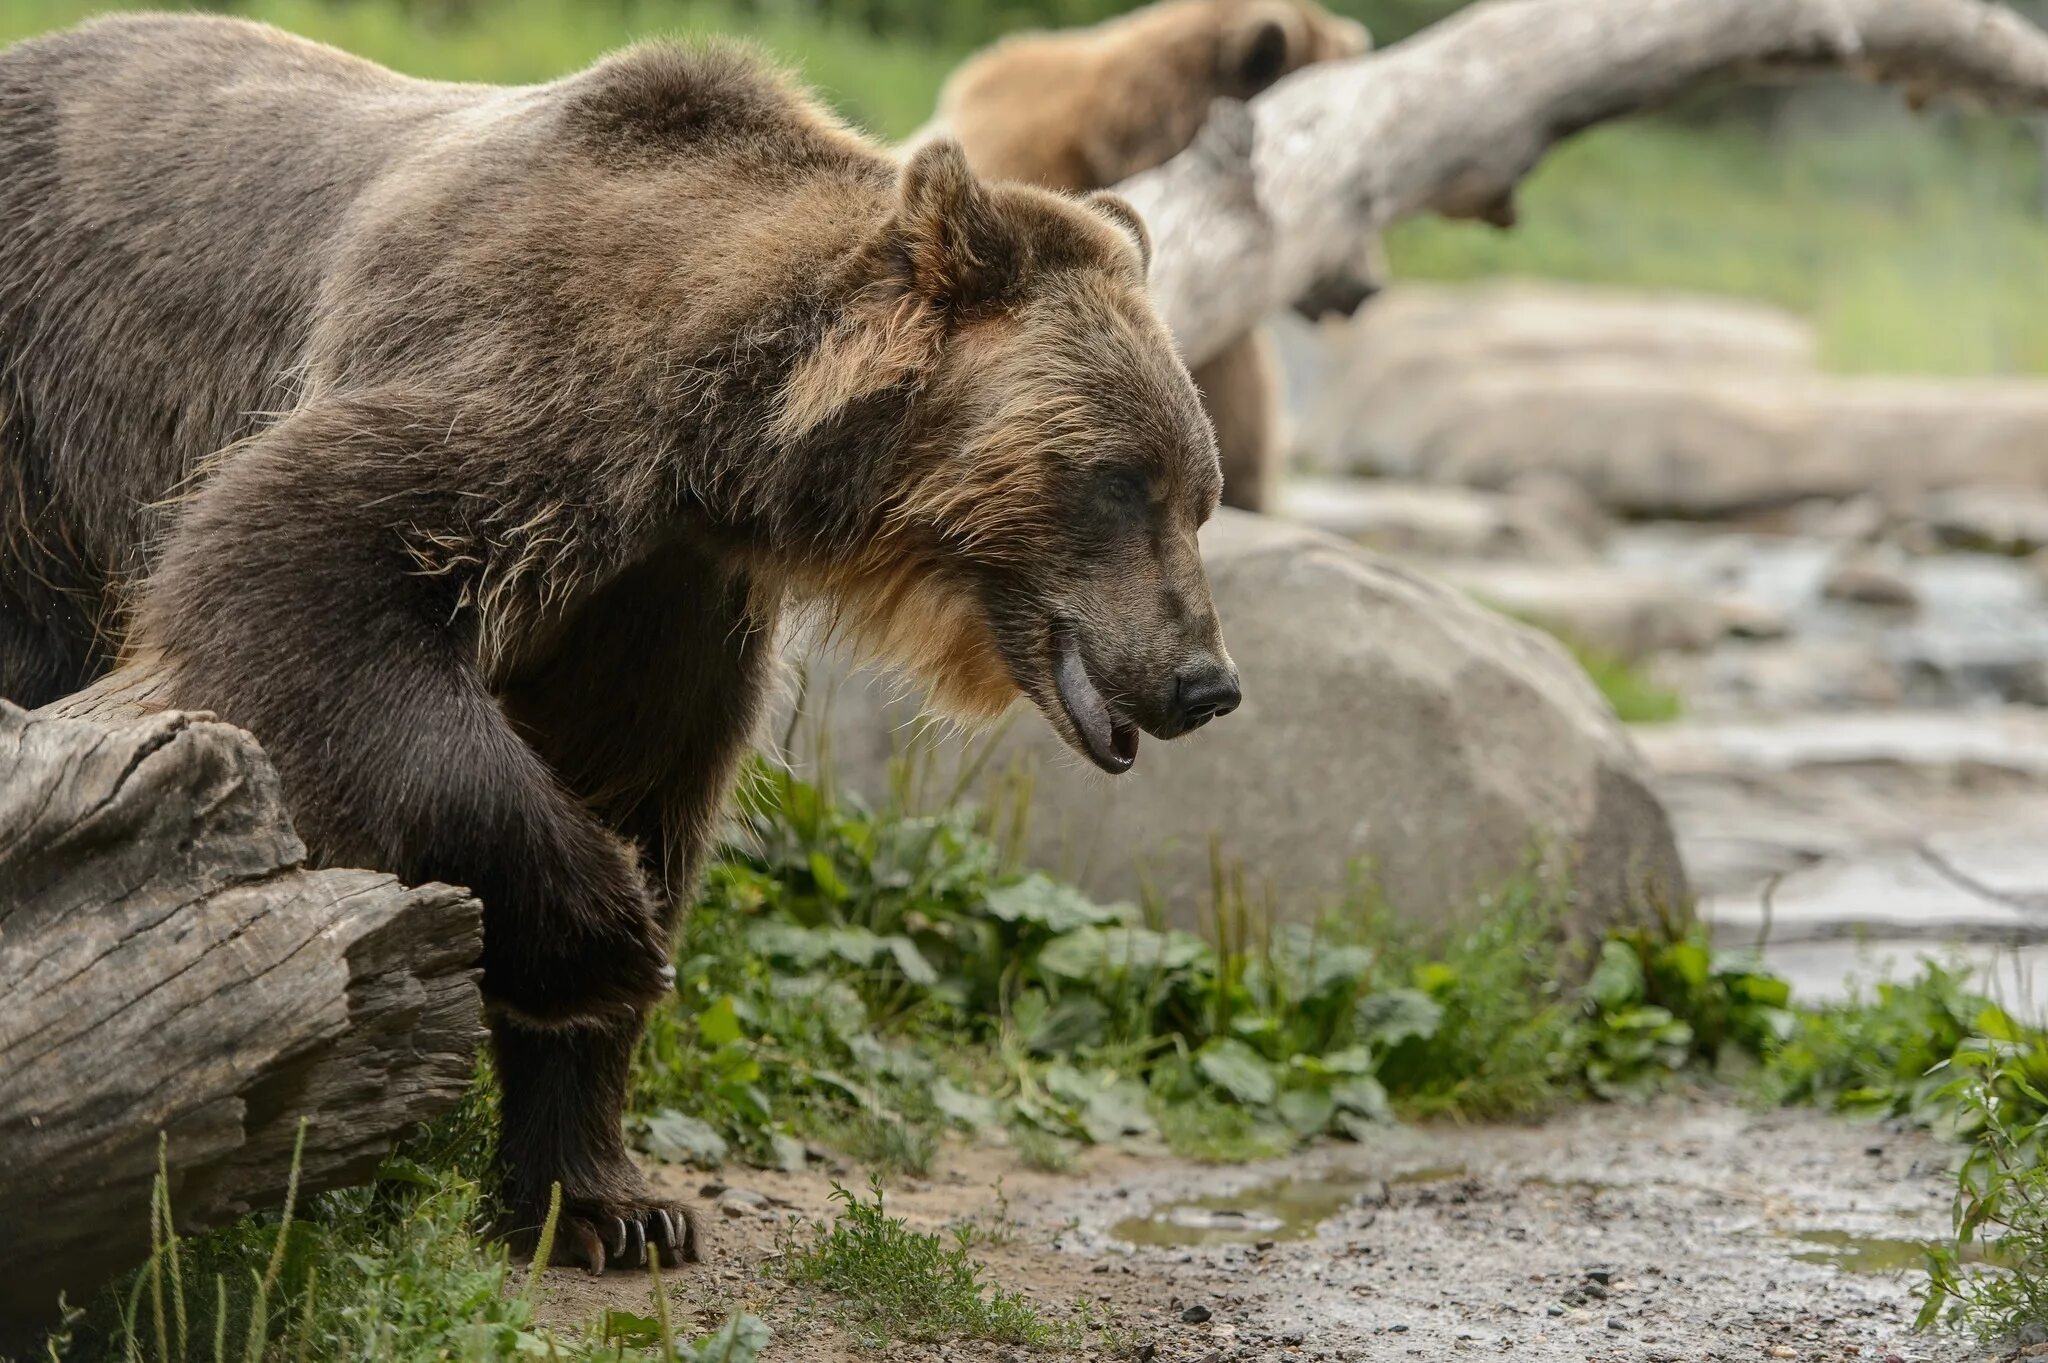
(1240, 388)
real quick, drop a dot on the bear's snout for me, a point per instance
(1202, 691)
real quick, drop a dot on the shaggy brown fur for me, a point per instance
(469, 440)
(1088, 108)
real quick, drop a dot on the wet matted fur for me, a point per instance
(463, 443)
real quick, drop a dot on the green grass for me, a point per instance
(1636, 697)
(892, 1282)
(886, 86)
(1913, 245)
(400, 1269)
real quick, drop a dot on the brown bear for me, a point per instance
(1087, 108)
(467, 442)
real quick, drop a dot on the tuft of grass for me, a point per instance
(899, 1283)
(1635, 696)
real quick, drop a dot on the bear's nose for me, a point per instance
(1202, 692)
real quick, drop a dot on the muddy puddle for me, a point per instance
(1278, 1210)
(1854, 1253)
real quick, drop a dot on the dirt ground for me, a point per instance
(1690, 1229)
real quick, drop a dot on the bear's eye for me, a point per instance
(1123, 492)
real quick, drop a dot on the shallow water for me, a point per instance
(1283, 1209)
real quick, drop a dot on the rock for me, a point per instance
(1388, 720)
(1858, 520)
(1628, 614)
(1196, 1315)
(1419, 520)
(1856, 844)
(1791, 675)
(1871, 579)
(1993, 520)
(1476, 393)
(1565, 500)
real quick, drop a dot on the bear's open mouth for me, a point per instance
(1110, 741)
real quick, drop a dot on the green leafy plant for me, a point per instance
(1991, 1280)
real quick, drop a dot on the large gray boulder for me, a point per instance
(1390, 726)
(1656, 406)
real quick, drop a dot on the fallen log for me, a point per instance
(168, 964)
(1276, 195)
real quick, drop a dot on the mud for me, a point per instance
(1690, 1229)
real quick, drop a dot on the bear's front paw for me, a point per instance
(615, 1232)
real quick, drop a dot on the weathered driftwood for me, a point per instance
(1276, 195)
(167, 964)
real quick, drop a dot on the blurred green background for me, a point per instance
(1914, 243)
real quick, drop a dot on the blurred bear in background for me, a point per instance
(1087, 108)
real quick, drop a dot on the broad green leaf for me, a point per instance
(1075, 1021)
(1092, 953)
(1238, 1070)
(1363, 1096)
(1054, 906)
(957, 1105)
(740, 1340)
(1618, 979)
(680, 1139)
(1391, 1016)
(719, 1025)
(827, 876)
(1307, 1112)
(1115, 1110)
(911, 961)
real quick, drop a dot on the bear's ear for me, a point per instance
(1261, 43)
(1118, 210)
(960, 251)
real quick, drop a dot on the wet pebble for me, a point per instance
(1196, 1314)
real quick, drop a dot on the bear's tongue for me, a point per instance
(1113, 743)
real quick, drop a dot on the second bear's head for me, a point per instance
(1047, 469)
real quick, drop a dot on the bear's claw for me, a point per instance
(600, 1237)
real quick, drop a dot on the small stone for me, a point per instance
(1264, 1245)
(1616, 1324)
(1602, 1276)
(1871, 579)
(1873, 1150)
(1781, 1351)
(1196, 1314)
(1553, 1310)
(1397, 1329)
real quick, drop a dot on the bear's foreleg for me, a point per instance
(289, 602)
(643, 706)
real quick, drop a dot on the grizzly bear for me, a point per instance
(466, 443)
(1084, 109)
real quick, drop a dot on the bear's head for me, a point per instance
(1037, 532)
(1263, 40)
